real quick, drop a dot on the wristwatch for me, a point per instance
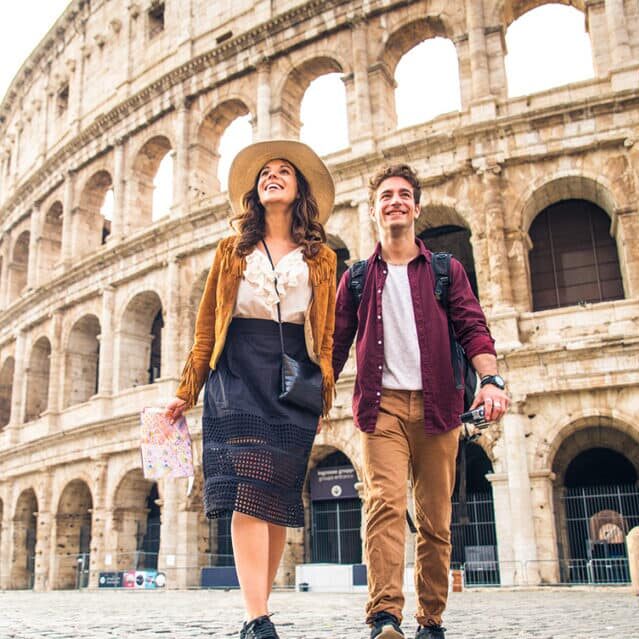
(495, 380)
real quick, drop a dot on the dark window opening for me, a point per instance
(574, 259)
(220, 541)
(62, 101)
(599, 467)
(149, 537)
(156, 19)
(156, 347)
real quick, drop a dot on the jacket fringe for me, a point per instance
(323, 266)
(190, 382)
(328, 393)
(230, 264)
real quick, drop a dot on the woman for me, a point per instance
(256, 446)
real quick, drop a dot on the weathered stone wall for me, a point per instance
(108, 93)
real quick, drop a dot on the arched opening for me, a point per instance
(163, 188)
(140, 341)
(207, 153)
(38, 380)
(597, 504)
(342, 253)
(73, 536)
(150, 184)
(323, 114)
(236, 136)
(6, 390)
(427, 80)
(295, 87)
(547, 47)
(442, 229)
(336, 511)
(137, 523)
(92, 222)
(82, 361)
(50, 247)
(473, 531)
(19, 265)
(574, 259)
(25, 525)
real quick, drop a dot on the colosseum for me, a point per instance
(537, 194)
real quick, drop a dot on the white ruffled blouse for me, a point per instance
(256, 296)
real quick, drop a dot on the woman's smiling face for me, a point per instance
(277, 183)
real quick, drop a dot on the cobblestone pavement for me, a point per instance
(486, 614)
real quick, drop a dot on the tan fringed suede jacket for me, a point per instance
(216, 311)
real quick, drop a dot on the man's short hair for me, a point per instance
(394, 170)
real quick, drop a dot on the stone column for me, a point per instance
(56, 368)
(4, 274)
(358, 96)
(68, 206)
(99, 469)
(263, 130)
(625, 229)
(168, 560)
(509, 570)
(186, 541)
(520, 495)
(18, 388)
(545, 525)
(105, 379)
(482, 106)
(366, 229)
(16, 151)
(34, 242)
(499, 299)
(382, 94)
(624, 70)
(181, 162)
(632, 543)
(44, 541)
(6, 537)
(171, 332)
(119, 186)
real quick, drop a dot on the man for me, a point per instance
(406, 403)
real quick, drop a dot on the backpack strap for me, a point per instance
(356, 280)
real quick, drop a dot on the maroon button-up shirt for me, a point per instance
(443, 402)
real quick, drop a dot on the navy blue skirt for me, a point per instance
(256, 447)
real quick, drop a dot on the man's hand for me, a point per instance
(495, 401)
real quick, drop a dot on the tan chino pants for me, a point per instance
(400, 446)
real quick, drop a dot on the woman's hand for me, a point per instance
(174, 409)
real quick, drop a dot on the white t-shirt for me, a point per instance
(402, 366)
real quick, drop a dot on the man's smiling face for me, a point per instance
(394, 208)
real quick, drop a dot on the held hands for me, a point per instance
(174, 409)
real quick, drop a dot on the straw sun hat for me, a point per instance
(251, 159)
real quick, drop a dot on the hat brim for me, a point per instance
(251, 159)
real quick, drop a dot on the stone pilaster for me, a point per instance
(624, 72)
(44, 541)
(509, 570)
(366, 229)
(482, 106)
(541, 482)
(56, 382)
(105, 379)
(18, 388)
(4, 274)
(263, 124)
(625, 229)
(68, 206)
(168, 559)
(171, 332)
(382, 87)
(34, 242)
(6, 535)
(99, 471)
(520, 495)
(181, 170)
(119, 189)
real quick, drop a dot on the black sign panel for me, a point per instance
(336, 482)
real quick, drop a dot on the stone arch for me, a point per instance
(81, 361)
(37, 374)
(206, 156)
(19, 266)
(139, 340)
(131, 518)
(90, 228)
(6, 390)
(73, 535)
(146, 162)
(25, 520)
(50, 245)
(293, 86)
(507, 11)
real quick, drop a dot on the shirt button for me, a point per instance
(378, 394)
(380, 368)
(384, 272)
(379, 317)
(379, 341)
(379, 290)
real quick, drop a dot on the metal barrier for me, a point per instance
(592, 572)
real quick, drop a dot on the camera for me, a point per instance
(476, 417)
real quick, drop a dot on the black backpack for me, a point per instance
(463, 370)
(465, 375)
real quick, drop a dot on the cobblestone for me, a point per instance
(569, 613)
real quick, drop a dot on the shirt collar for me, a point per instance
(423, 251)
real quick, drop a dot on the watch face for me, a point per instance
(496, 380)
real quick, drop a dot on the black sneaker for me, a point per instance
(430, 632)
(259, 628)
(386, 626)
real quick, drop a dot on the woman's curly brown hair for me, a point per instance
(306, 229)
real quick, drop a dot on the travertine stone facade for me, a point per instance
(87, 305)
